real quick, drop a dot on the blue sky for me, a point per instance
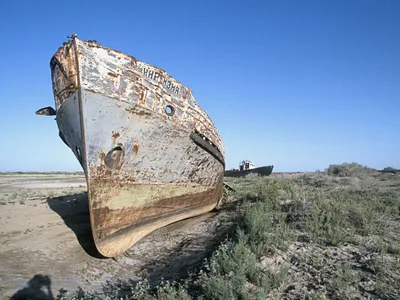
(296, 84)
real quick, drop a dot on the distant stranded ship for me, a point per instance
(247, 167)
(150, 154)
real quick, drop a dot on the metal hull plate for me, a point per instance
(151, 155)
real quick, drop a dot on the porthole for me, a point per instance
(169, 110)
(114, 157)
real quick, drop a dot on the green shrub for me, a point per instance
(349, 169)
(391, 170)
(270, 213)
(232, 269)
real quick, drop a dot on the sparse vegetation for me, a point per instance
(391, 170)
(349, 170)
(324, 235)
(340, 239)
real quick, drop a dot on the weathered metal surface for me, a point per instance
(64, 73)
(69, 124)
(229, 187)
(122, 77)
(262, 171)
(151, 155)
(46, 111)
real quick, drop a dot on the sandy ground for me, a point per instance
(45, 233)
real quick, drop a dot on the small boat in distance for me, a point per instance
(150, 154)
(247, 167)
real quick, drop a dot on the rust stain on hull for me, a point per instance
(126, 225)
(150, 154)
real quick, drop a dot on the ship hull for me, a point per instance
(145, 166)
(261, 171)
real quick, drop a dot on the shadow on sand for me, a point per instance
(74, 210)
(38, 288)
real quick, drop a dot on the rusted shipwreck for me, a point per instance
(150, 154)
(247, 167)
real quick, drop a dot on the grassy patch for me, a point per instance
(349, 170)
(328, 235)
